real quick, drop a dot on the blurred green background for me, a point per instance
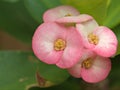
(21, 70)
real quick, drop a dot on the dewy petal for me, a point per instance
(84, 29)
(43, 42)
(75, 19)
(107, 45)
(75, 71)
(73, 51)
(58, 12)
(98, 72)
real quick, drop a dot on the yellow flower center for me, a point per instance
(59, 45)
(93, 39)
(69, 24)
(87, 63)
(68, 14)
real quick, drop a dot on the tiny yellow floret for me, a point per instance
(59, 44)
(68, 14)
(93, 39)
(87, 63)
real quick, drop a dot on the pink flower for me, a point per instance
(91, 67)
(55, 44)
(59, 12)
(99, 39)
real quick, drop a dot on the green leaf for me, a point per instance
(18, 71)
(15, 20)
(38, 7)
(11, 1)
(113, 14)
(96, 8)
(114, 77)
(116, 30)
(70, 84)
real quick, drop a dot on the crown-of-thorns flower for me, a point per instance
(91, 67)
(56, 44)
(75, 42)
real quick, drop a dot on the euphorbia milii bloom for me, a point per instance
(91, 67)
(99, 39)
(59, 12)
(55, 44)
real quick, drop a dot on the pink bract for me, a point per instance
(99, 70)
(59, 12)
(75, 19)
(107, 41)
(43, 44)
(107, 45)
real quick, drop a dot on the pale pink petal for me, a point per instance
(107, 45)
(98, 72)
(58, 12)
(75, 71)
(43, 42)
(84, 29)
(75, 19)
(87, 27)
(87, 53)
(73, 51)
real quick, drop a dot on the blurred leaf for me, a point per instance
(38, 7)
(118, 49)
(113, 14)
(116, 30)
(15, 20)
(70, 84)
(96, 8)
(18, 71)
(11, 1)
(114, 77)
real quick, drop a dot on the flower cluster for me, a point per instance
(75, 42)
